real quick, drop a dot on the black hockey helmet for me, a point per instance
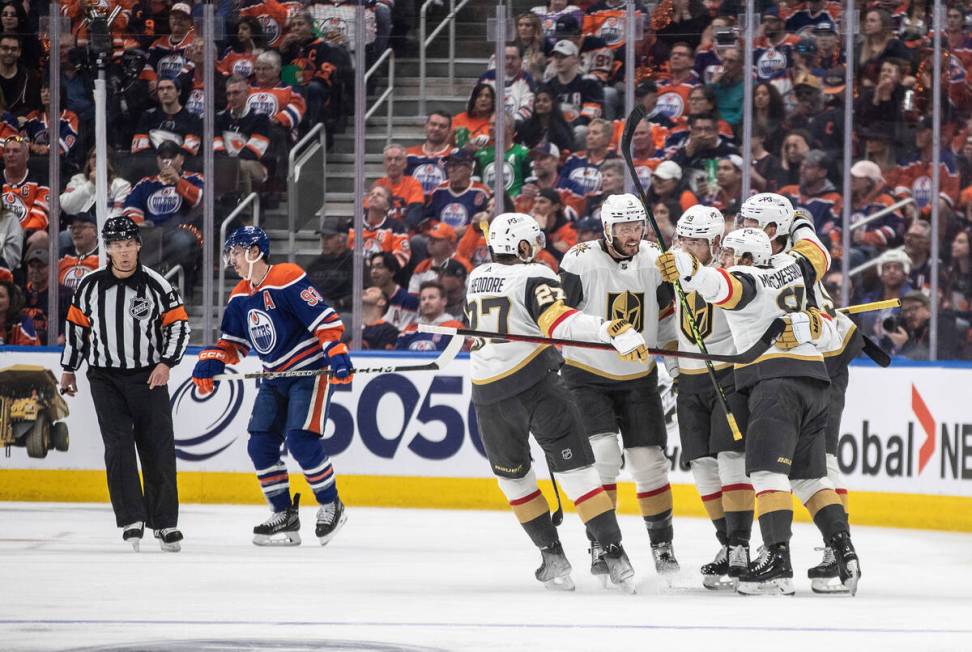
(120, 228)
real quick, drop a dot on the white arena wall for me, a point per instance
(411, 441)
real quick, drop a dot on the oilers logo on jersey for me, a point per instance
(671, 104)
(262, 103)
(771, 64)
(262, 333)
(169, 66)
(15, 205)
(164, 201)
(587, 178)
(430, 175)
(629, 306)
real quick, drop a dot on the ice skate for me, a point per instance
(554, 569)
(770, 574)
(132, 533)
(738, 562)
(664, 556)
(281, 529)
(824, 577)
(848, 565)
(619, 568)
(330, 519)
(169, 538)
(715, 574)
(599, 568)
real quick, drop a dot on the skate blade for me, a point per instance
(602, 579)
(780, 586)
(627, 585)
(265, 540)
(175, 546)
(855, 576)
(135, 544)
(562, 583)
(719, 582)
(327, 539)
(828, 586)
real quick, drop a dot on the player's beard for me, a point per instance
(627, 248)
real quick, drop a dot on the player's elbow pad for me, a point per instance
(710, 284)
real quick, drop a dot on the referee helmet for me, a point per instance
(120, 228)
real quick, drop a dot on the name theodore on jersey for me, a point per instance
(782, 277)
(487, 284)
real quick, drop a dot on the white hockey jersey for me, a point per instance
(753, 297)
(523, 299)
(716, 335)
(630, 289)
(842, 342)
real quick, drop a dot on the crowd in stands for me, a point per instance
(287, 66)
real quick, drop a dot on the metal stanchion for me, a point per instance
(209, 170)
(499, 139)
(936, 180)
(360, 151)
(54, 173)
(849, 30)
(749, 34)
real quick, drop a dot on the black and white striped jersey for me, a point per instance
(127, 324)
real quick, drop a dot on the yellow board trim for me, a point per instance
(928, 512)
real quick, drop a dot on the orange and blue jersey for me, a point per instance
(284, 319)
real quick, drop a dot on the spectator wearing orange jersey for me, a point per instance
(22, 196)
(268, 95)
(380, 234)
(470, 128)
(407, 197)
(240, 56)
(81, 257)
(16, 328)
(675, 86)
(441, 248)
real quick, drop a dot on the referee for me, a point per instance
(130, 326)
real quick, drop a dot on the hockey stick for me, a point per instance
(745, 357)
(447, 355)
(868, 307)
(558, 516)
(637, 115)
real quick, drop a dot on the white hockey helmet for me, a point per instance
(894, 256)
(701, 221)
(754, 242)
(508, 230)
(618, 209)
(768, 208)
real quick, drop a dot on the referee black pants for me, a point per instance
(133, 417)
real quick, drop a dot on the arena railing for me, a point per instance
(424, 41)
(254, 199)
(301, 155)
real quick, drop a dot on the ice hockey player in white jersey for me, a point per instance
(717, 461)
(787, 398)
(791, 232)
(616, 278)
(517, 390)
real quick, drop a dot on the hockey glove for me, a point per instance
(341, 369)
(801, 328)
(212, 361)
(676, 265)
(628, 342)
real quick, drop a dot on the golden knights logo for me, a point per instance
(629, 306)
(701, 312)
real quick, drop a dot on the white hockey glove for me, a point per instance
(677, 265)
(628, 342)
(801, 328)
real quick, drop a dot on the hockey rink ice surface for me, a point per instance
(397, 579)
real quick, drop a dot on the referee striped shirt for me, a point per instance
(128, 324)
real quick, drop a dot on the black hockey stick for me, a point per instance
(447, 355)
(637, 115)
(745, 357)
(558, 516)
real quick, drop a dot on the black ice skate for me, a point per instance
(132, 534)
(330, 518)
(281, 529)
(554, 569)
(824, 577)
(770, 574)
(169, 538)
(664, 556)
(619, 568)
(599, 567)
(715, 574)
(848, 565)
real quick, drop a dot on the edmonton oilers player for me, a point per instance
(277, 311)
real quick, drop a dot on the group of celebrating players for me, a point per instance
(756, 432)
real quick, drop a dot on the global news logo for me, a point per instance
(910, 451)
